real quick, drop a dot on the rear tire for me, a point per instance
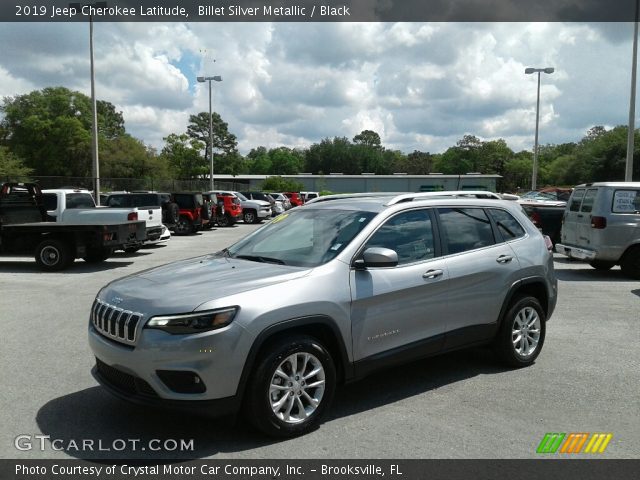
(522, 332)
(602, 265)
(224, 221)
(630, 264)
(292, 387)
(53, 255)
(184, 226)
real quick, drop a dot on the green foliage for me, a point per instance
(12, 167)
(223, 141)
(368, 138)
(279, 184)
(182, 154)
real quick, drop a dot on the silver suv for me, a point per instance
(371, 282)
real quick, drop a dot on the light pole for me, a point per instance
(95, 166)
(217, 78)
(628, 171)
(534, 174)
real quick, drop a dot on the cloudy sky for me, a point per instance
(421, 86)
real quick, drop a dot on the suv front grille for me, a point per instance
(115, 323)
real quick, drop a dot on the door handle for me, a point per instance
(579, 215)
(504, 259)
(432, 274)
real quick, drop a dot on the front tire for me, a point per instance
(292, 387)
(249, 216)
(522, 332)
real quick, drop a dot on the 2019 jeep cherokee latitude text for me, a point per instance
(370, 282)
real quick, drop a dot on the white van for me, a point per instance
(601, 225)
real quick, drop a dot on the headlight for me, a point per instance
(193, 322)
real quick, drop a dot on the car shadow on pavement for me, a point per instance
(93, 414)
(589, 274)
(78, 266)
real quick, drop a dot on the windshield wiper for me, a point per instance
(257, 258)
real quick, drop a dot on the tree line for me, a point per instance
(48, 133)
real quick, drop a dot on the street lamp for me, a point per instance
(95, 167)
(217, 78)
(528, 71)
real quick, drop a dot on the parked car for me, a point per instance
(601, 225)
(191, 213)
(295, 199)
(232, 208)
(279, 197)
(306, 196)
(277, 207)
(370, 282)
(253, 211)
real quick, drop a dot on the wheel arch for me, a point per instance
(533, 286)
(321, 327)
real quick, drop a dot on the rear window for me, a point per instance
(587, 201)
(508, 226)
(626, 201)
(80, 200)
(465, 229)
(50, 201)
(184, 201)
(576, 200)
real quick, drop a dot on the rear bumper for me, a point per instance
(575, 252)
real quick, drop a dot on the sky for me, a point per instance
(420, 86)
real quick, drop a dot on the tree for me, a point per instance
(182, 153)
(285, 161)
(279, 184)
(51, 129)
(367, 138)
(223, 140)
(12, 167)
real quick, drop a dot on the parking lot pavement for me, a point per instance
(461, 405)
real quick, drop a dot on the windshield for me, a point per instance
(305, 238)
(241, 196)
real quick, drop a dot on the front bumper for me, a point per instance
(575, 252)
(264, 213)
(132, 389)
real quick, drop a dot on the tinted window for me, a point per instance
(587, 201)
(184, 201)
(50, 201)
(117, 201)
(80, 200)
(576, 200)
(507, 225)
(409, 234)
(465, 229)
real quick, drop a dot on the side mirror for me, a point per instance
(376, 257)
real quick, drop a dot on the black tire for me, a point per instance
(184, 226)
(293, 394)
(205, 211)
(132, 249)
(224, 221)
(525, 309)
(171, 214)
(630, 264)
(249, 216)
(53, 255)
(602, 265)
(97, 255)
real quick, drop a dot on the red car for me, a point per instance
(231, 210)
(295, 198)
(192, 218)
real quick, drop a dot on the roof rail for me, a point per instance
(410, 197)
(340, 196)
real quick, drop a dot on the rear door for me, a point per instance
(570, 221)
(584, 232)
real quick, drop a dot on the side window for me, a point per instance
(50, 201)
(589, 198)
(465, 229)
(576, 200)
(409, 234)
(508, 226)
(626, 201)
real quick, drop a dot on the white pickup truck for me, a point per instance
(77, 206)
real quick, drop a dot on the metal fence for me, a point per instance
(128, 184)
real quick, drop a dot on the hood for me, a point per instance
(180, 287)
